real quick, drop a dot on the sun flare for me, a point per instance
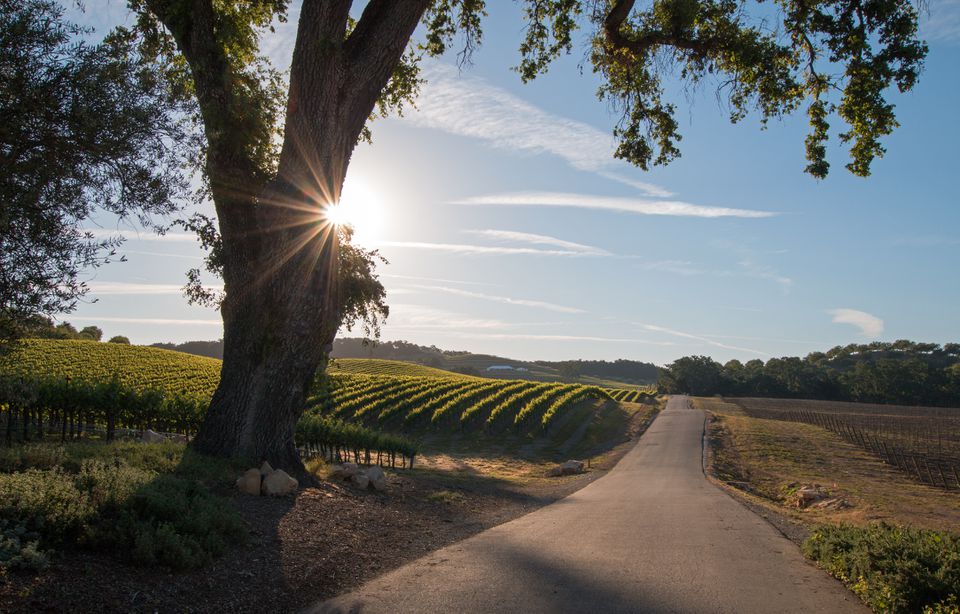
(361, 208)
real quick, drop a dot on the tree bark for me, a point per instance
(279, 255)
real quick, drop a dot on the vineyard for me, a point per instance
(923, 442)
(361, 408)
(377, 366)
(633, 395)
(451, 403)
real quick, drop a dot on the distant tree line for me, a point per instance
(902, 373)
(212, 349)
(620, 369)
(42, 327)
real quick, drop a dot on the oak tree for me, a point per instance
(276, 149)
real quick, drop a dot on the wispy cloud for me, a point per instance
(680, 267)
(749, 268)
(410, 316)
(870, 325)
(161, 254)
(136, 235)
(648, 189)
(437, 280)
(480, 250)
(535, 239)
(746, 268)
(507, 300)
(470, 106)
(533, 337)
(627, 205)
(700, 338)
(942, 22)
(163, 321)
(127, 288)
(135, 289)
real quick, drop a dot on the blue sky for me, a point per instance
(510, 229)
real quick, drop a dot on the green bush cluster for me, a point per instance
(20, 547)
(892, 568)
(173, 522)
(110, 497)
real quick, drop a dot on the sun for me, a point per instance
(361, 208)
(337, 215)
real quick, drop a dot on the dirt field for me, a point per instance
(767, 460)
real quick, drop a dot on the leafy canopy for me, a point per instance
(85, 127)
(839, 58)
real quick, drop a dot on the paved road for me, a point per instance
(651, 536)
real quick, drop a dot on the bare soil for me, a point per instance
(328, 539)
(762, 462)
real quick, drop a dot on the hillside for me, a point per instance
(384, 394)
(135, 367)
(615, 373)
(376, 366)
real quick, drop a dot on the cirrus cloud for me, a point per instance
(869, 324)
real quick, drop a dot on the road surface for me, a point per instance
(651, 536)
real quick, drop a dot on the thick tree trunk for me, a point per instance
(279, 255)
(274, 339)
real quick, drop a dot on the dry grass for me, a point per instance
(771, 458)
(593, 431)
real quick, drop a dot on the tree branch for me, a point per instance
(618, 15)
(376, 45)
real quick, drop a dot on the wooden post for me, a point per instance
(916, 466)
(942, 478)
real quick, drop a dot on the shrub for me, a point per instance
(31, 455)
(150, 519)
(19, 547)
(893, 569)
(48, 502)
(173, 522)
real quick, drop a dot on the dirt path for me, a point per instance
(651, 536)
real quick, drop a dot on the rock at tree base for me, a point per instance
(249, 482)
(378, 479)
(809, 494)
(344, 471)
(360, 480)
(152, 437)
(278, 484)
(570, 467)
(266, 469)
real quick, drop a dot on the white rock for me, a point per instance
(266, 469)
(809, 494)
(279, 483)
(360, 480)
(571, 467)
(152, 437)
(249, 482)
(350, 469)
(378, 479)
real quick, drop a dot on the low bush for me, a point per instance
(892, 569)
(19, 547)
(161, 457)
(129, 498)
(173, 522)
